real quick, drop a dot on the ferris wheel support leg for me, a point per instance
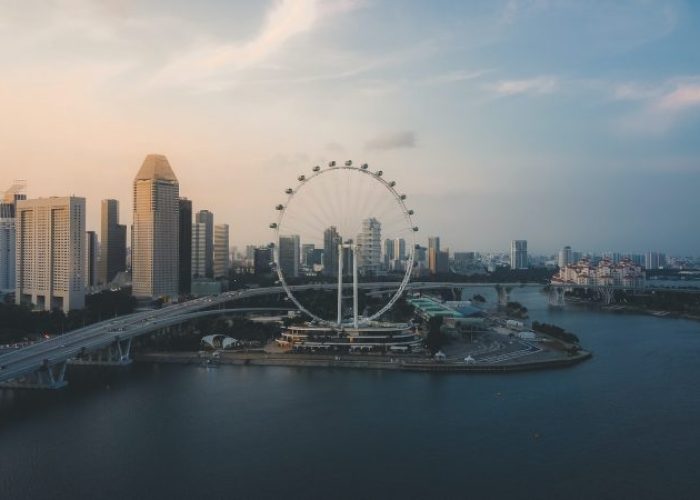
(354, 286)
(340, 284)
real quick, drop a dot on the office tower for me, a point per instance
(399, 249)
(289, 255)
(207, 218)
(184, 277)
(331, 240)
(155, 237)
(654, 260)
(369, 246)
(306, 251)
(112, 244)
(443, 261)
(8, 211)
(565, 257)
(262, 257)
(388, 253)
(518, 254)
(51, 253)
(316, 258)
(613, 257)
(199, 250)
(221, 251)
(91, 257)
(433, 254)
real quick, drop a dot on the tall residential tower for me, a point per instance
(112, 242)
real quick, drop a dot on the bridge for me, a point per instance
(43, 365)
(557, 290)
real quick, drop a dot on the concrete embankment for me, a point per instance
(320, 361)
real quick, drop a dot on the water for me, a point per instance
(622, 425)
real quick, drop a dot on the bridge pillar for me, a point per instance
(556, 296)
(46, 377)
(115, 354)
(607, 295)
(503, 295)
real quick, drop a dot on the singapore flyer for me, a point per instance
(345, 224)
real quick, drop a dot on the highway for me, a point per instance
(26, 360)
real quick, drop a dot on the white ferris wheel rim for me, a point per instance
(399, 198)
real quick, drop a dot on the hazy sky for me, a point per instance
(560, 122)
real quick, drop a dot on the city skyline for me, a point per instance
(460, 99)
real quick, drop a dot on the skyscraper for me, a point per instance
(518, 254)
(8, 211)
(369, 246)
(433, 254)
(399, 249)
(289, 255)
(565, 257)
(199, 250)
(221, 251)
(91, 252)
(113, 242)
(155, 236)
(185, 246)
(262, 257)
(51, 253)
(388, 253)
(654, 260)
(207, 218)
(306, 252)
(331, 240)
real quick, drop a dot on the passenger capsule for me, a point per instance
(273, 225)
(403, 196)
(379, 173)
(279, 207)
(348, 163)
(392, 184)
(364, 166)
(331, 164)
(415, 229)
(289, 190)
(316, 168)
(411, 212)
(301, 178)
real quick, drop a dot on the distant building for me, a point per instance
(262, 257)
(289, 255)
(306, 252)
(654, 260)
(388, 255)
(221, 251)
(91, 253)
(199, 250)
(155, 235)
(184, 277)
(518, 254)
(369, 247)
(207, 218)
(8, 212)
(331, 240)
(50, 249)
(433, 254)
(565, 257)
(112, 242)
(605, 273)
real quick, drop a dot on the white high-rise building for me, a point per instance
(518, 254)
(155, 233)
(369, 247)
(51, 253)
(565, 257)
(8, 210)
(221, 251)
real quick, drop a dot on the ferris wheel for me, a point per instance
(348, 223)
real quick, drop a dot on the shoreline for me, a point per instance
(324, 361)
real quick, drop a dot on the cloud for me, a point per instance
(211, 64)
(537, 85)
(454, 77)
(683, 97)
(393, 140)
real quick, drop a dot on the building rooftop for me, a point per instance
(156, 167)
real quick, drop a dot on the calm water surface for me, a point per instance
(624, 425)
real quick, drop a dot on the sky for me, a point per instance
(560, 122)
